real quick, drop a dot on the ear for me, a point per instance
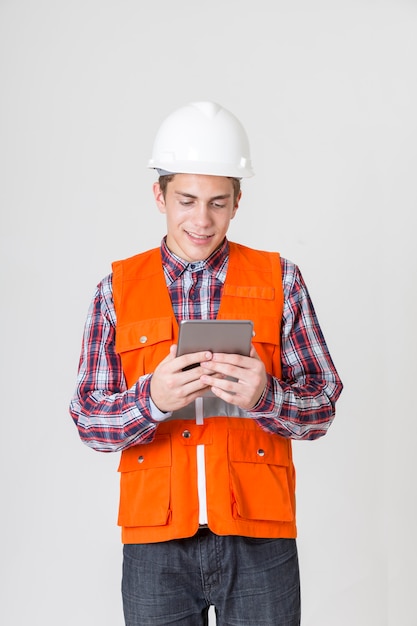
(159, 197)
(235, 208)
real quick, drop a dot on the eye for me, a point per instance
(219, 205)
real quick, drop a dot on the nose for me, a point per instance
(202, 214)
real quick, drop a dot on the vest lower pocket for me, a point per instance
(145, 484)
(259, 466)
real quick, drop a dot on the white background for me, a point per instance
(327, 92)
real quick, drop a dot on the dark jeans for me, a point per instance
(250, 582)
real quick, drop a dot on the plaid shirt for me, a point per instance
(299, 405)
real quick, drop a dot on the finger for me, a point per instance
(192, 360)
(220, 359)
(225, 370)
(236, 394)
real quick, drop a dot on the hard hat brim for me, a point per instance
(210, 169)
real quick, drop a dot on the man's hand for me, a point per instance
(249, 372)
(172, 388)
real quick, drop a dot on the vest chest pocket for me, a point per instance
(145, 484)
(142, 344)
(259, 473)
(143, 333)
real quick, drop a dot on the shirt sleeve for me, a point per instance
(300, 404)
(109, 417)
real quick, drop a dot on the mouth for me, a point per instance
(198, 237)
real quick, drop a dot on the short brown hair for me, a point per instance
(164, 180)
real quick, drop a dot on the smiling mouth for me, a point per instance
(196, 236)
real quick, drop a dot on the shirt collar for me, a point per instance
(174, 266)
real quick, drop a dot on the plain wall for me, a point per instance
(327, 92)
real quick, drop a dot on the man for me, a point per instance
(207, 503)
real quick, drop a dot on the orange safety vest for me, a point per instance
(250, 477)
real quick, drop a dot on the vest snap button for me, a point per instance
(143, 339)
(140, 459)
(186, 434)
(260, 452)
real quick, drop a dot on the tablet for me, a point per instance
(231, 336)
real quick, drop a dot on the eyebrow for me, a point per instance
(224, 196)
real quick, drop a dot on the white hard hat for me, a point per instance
(202, 138)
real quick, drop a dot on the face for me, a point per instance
(198, 211)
